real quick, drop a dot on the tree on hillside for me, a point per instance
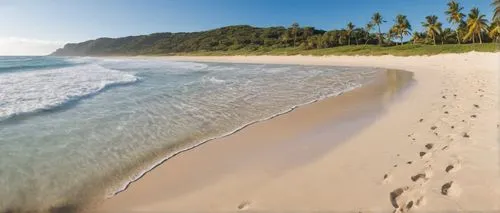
(295, 28)
(349, 29)
(476, 24)
(401, 27)
(455, 16)
(308, 31)
(368, 28)
(432, 27)
(377, 19)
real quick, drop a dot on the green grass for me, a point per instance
(405, 50)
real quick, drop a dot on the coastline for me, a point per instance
(235, 184)
(378, 81)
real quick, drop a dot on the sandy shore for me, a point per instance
(434, 149)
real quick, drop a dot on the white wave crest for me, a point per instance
(213, 80)
(131, 63)
(27, 92)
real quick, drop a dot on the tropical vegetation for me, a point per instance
(466, 29)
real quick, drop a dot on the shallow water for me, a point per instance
(72, 126)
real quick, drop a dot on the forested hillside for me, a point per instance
(222, 39)
(472, 27)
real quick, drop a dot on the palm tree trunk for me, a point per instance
(434, 39)
(379, 35)
(473, 38)
(401, 39)
(349, 40)
(479, 35)
(458, 36)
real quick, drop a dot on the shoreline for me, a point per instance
(380, 83)
(159, 162)
(286, 60)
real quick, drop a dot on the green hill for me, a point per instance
(221, 39)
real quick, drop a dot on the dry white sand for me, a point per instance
(435, 149)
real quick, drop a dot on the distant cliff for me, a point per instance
(221, 39)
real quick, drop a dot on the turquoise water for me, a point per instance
(72, 128)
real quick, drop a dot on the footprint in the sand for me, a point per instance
(403, 200)
(423, 176)
(387, 178)
(396, 194)
(417, 177)
(429, 146)
(450, 189)
(465, 135)
(244, 205)
(453, 167)
(425, 155)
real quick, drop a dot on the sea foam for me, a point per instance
(30, 92)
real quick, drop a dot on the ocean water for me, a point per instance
(78, 128)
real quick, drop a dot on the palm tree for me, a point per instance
(495, 30)
(455, 15)
(377, 19)
(476, 24)
(342, 35)
(446, 35)
(417, 37)
(349, 29)
(368, 28)
(496, 4)
(392, 34)
(295, 28)
(432, 27)
(401, 27)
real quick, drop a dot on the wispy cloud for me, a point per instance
(27, 46)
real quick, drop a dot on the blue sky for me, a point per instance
(60, 21)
